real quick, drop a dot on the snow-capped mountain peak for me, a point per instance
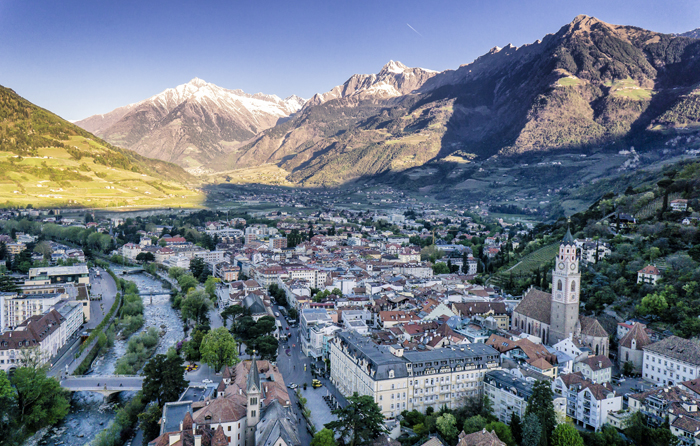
(393, 80)
(393, 67)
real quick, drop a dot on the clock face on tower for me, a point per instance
(573, 266)
(561, 265)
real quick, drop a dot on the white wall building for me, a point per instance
(671, 361)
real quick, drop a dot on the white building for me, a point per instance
(16, 308)
(308, 318)
(671, 361)
(588, 404)
(211, 257)
(41, 334)
(508, 394)
(400, 380)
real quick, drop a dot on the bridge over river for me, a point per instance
(104, 384)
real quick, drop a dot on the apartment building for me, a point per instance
(671, 360)
(41, 333)
(211, 257)
(587, 403)
(308, 319)
(16, 308)
(400, 380)
(508, 394)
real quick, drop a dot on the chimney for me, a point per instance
(197, 440)
(600, 364)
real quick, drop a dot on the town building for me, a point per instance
(77, 274)
(587, 403)
(399, 379)
(631, 346)
(649, 274)
(508, 394)
(671, 360)
(597, 369)
(40, 336)
(250, 407)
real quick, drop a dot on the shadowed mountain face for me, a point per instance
(586, 87)
(192, 123)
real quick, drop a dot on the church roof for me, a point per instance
(253, 377)
(639, 334)
(591, 327)
(536, 304)
(568, 238)
(277, 422)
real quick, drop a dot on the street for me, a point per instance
(107, 287)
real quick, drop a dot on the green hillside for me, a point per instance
(47, 161)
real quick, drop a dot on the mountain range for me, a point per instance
(587, 87)
(191, 123)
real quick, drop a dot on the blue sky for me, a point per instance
(79, 58)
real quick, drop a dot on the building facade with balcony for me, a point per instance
(400, 380)
(508, 394)
(587, 403)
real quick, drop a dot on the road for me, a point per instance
(107, 287)
(104, 286)
(130, 383)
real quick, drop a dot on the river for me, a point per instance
(90, 412)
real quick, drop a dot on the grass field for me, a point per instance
(628, 88)
(536, 259)
(569, 81)
(263, 174)
(54, 178)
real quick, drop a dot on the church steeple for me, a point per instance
(566, 288)
(254, 393)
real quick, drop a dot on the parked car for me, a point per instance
(207, 381)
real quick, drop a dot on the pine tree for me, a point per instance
(540, 404)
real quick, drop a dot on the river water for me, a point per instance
(90, 412)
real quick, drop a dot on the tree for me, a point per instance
(653, 304)
(532, 430)
(266, 346)
(515, 428)
(44, 248)
(196, 307)
(210, 287)
(164, 379)
(8, 401)
(447, 425)
(502, 431)
(474, 424)
(441, 268)
(566, 435)
(40, 399)
(232, 311)
(358, 423)
(540, 404)
(324, 437)
(628, 368)
(293, 314)
(191, 347)
(197, 265)
(148, 422)
(187, 282)
(145, 257)
(219, 349)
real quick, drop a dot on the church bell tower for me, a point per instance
(566, 289)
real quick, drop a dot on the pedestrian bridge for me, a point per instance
(104, 384)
